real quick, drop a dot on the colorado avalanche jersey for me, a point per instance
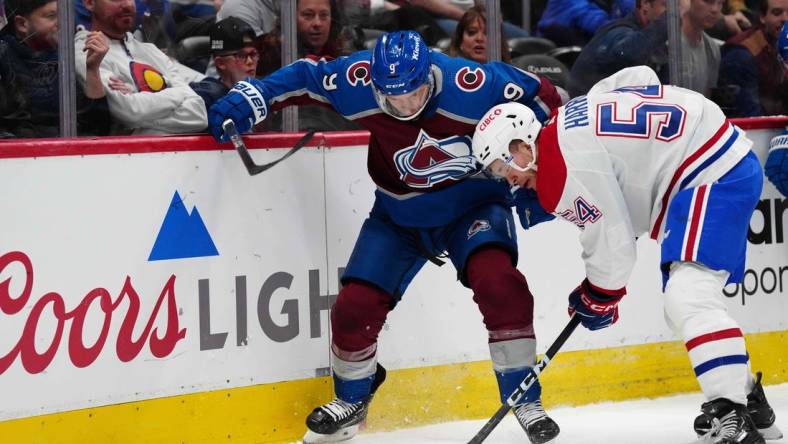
(423, 168)
(611, 163)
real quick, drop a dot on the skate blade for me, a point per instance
(771, 433)
(341, 435)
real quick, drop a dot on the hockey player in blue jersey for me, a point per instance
(421, 109)
(634, 158)
(776, 167)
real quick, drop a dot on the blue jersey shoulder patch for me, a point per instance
(467, 82)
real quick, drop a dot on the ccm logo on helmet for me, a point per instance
(469, 80)
(489, 118)
(359, 73)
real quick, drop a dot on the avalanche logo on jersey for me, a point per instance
(359, 73)
(430, 161)
(469, 80)
(582, 214)
(478, 226)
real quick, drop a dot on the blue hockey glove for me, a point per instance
(528, 209)
(597, 308)
(244, 105)
(776, 167)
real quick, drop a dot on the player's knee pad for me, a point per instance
(693, 291)
(502, 294)
(357, 317)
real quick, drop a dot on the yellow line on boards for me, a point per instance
(274, 413)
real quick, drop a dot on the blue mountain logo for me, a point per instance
(182, 235)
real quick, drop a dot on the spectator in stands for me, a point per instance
(393, 15)
(318, 30)
(234, 55)
(574, 22)
(29, 97)
(259, 14)
(193, 17)
(732, 22)
(2, 14)
(153, 23)
(638, 39)
(147, 92)
(319, 36)
(750, 64)
(700, 55)
(449, 12)
(469, 39)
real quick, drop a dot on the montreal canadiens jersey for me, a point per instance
(611, 162)
(423, 168)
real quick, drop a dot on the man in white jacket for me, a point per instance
(147, 92)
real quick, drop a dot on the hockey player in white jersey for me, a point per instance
(625, 161)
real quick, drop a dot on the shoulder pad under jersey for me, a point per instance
(344, 83)
(469, 89)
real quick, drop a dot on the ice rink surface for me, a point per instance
(646, 421)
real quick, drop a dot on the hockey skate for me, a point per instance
(728, 423)
(339, 420)
(760, 412)
(539, 427)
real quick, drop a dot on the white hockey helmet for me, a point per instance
(499, 126)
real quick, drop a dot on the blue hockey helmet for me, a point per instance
(400, 62)
(400, 65)
(782, 47)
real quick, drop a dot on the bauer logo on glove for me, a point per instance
(255, 99)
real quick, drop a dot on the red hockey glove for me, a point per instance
(597, 308)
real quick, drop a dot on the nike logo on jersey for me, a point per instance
(430, 161)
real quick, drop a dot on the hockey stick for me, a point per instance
(229, 128)
(529, 380)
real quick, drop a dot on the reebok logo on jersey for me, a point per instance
(478, 226)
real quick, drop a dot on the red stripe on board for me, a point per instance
(714, 336)
(694, 228)
(14, 148)
(746, 123)
(680, 172)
